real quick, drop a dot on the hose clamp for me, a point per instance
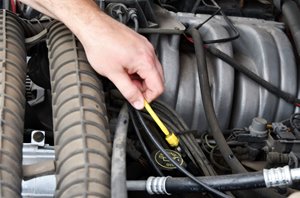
(277, 176)
(157, 185)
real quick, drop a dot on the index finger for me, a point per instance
(152, 81)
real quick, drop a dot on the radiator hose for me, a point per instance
(12, 104)
(81, 135)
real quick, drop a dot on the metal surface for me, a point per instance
(41, 187)
(263, 47)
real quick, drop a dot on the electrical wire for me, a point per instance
(183, 142)
(188, 139)
(180, 168)
(13, 6)
(212, 159)
(136, 24)
(236, 34)
(148, 155)
(195, 6)
(208, 19)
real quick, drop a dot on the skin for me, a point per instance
(113, 50)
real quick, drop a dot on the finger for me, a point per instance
(159, 68)
(153, 84)
(128, 89)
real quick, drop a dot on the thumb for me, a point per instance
(128, 89)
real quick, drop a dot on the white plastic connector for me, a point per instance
(278, 176)
(157, 185)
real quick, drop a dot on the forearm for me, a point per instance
(77, 15)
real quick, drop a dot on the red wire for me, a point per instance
(190, 39)
(13, 6)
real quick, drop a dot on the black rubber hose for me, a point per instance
(257, 79)
(12, 104)
(144, 147)
(178, 185)
(118, 162)
(81, 134)
(215, 129)
(291, 13)
(231, 182)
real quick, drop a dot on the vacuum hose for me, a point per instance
(81, 135)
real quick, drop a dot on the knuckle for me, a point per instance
(161, 89)
(131, 94)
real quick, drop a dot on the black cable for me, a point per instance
(227, 21)
(209, 18)
(183, 142)
(195, 6)
(137, 131)
(181, 169)
(219, 166)
(257, 79)
(164, 111)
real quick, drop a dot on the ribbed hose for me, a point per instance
(12, 104)
(82, 143)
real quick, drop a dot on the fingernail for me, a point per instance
(138, 104)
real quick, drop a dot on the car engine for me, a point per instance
(227, 124)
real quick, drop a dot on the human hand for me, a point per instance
(113, 50)
(126, 58)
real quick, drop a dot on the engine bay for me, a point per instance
(227, 124)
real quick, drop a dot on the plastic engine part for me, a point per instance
(81, 135)
(12, 104)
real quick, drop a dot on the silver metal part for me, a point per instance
(34, 93)
(38, 138)
(157, 185)
(41, 187)
(278, 176)
(295, 174)
(262, 47)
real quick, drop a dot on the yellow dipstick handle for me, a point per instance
(171, 138)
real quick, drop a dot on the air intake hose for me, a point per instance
(81, 135)
(12, 104)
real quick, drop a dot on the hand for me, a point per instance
(113, 50)
(126, 58)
